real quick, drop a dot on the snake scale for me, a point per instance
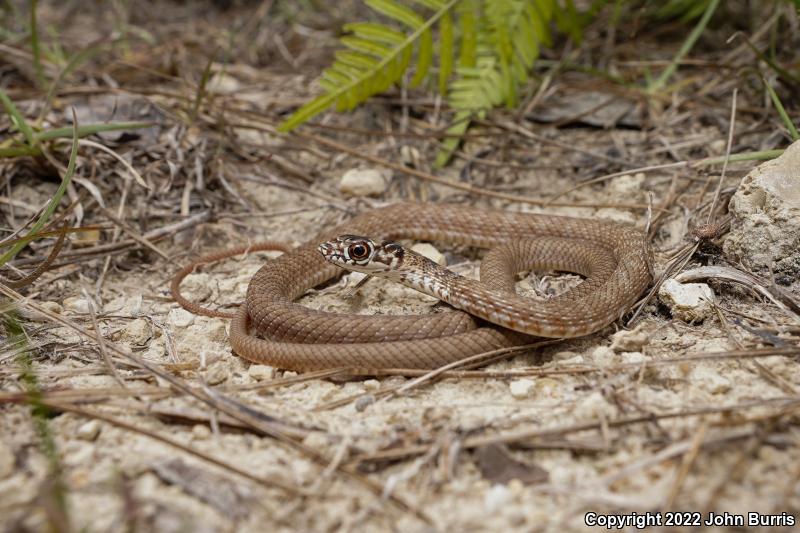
(615, 258)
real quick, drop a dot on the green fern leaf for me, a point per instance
(377, 58)
(314, 107)
(446, 46)
(424, 58)
(468, 13)
(398, 12)
(435, 5)
(372, 31)
(503, 55)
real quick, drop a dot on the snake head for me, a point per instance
(362, 254)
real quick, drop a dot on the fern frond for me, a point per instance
(379, 57)
(504, 54)
(496, 43)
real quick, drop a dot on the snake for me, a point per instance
(271, 328)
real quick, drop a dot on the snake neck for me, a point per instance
(424, 275)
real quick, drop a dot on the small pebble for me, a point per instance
(602, 355)
(521, 388)
(496, 499)
(180, 318)
(632, 357)
(201, 432)
(372, 384)
(363, 182)
(88, 431)
(216, 374)
(137, 331)
(261, 372)
(690, 302)
(76, 304)
(629, 341)
(53, 307)
(364, 401)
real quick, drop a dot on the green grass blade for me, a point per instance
(17, 118)
(54, 201)
(787, 121)
(19, 151)
(446, 48)
(90, 129)
(659, 83)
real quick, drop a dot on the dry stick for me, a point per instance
(153, 236)
(710, 218)
(606, 177)
(448, 183)
(256, 422)
(685, 466)
(101, 343)
(135, 235)
(43, 266)
(539, 372)
(114, 238)
(742, 460)
(478, 358)
(516, 436)
(510, 126)
(269, 483)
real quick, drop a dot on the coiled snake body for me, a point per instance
(615, 258)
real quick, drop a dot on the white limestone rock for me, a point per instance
(522, 388)
(765, 229)
(690, 302)
(363, 182)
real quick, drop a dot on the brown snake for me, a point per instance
(615, 259)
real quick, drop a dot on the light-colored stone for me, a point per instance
(765, 229)
(566, 355)
(217, 374)
(201, 432)
(76, 304)
(522, 388)
(710, 380)
(602, 355)
(363, 182)
(223, 83)
(372, 384)
(53, 307)
(632, 357)
(89, 430)
(180, 318)
(261, 372)
(594, 406)
(690, 302)
(630, 340)
(496, 499)
(137, 331)
(6, 460)
(363, 402)
(627, 186)
(429, 251)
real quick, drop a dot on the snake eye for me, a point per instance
(358, 251)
